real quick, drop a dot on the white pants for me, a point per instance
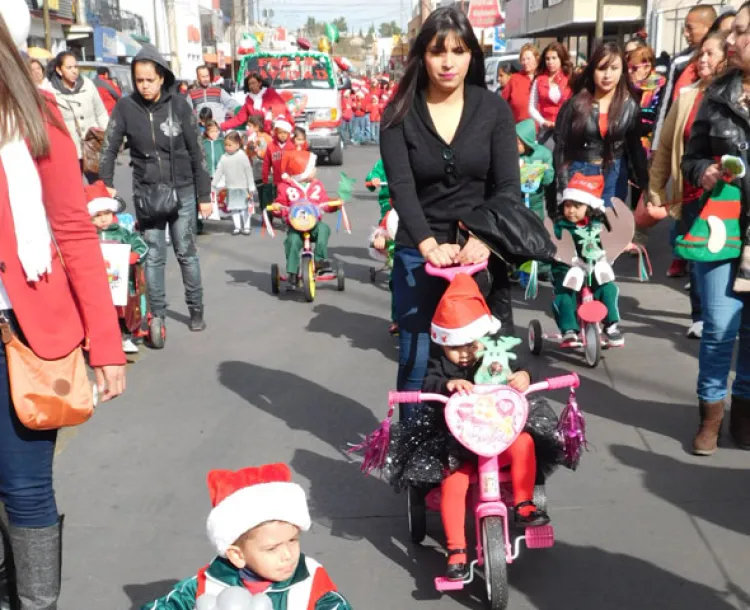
(241, 220)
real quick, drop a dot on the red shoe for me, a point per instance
(678, 268)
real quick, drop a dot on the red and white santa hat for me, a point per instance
(585, 189)
(282, 123)
(298, 164)
(99, 200)
(247, 498)
(462, 316)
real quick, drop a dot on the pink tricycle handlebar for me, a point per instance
(395, 397)
(556, 383)
(448, 273)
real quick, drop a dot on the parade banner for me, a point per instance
(117, 261)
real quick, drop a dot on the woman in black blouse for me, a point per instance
(448, 146)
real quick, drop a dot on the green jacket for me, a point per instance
(214, 150)
(221, 574)
(586, 238)
(120, 235)
(526, 132)
(384, 196)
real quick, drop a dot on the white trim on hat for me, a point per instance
(251, 506)
(583, 197)
(283, 124)
(102, 204)
(452, 337)
(311, 161)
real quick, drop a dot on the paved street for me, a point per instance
(641, 524)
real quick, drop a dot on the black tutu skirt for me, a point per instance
(422, 451)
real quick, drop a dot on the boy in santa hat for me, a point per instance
(282, 142)
(102, 209)
(299, 183)
(427, 450)
(582, 215)
(255, 525)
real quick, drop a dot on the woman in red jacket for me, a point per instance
(54, 307)
(262, 101)
(518, 89)
(551, 88)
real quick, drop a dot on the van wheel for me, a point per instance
(337, 154)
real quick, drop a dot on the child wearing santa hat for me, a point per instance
(423, 450)
(254, 525)
(282, 142)
(102, 209)
(582, 215)
(299, 183)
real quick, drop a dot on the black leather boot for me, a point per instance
(197, 323)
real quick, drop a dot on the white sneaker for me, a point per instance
(687, 287)
(695, 331)
(246, 231)
(129, 347)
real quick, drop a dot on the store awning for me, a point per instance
(127, 46)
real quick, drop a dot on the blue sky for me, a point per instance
(358, 13)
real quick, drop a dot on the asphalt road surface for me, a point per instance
(641, 524)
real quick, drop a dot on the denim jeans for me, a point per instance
(615, 178)
(182, 229)
(724, 317)
(25, 464)
(375, 127)
(366, 132)
(358, 128)
(346, 131)
(415, 298)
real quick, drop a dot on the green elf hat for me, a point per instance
(715, 234)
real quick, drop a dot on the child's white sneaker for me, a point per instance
(696, 330)
(129, 347)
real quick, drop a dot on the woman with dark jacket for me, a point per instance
(144, 118)
(56, 307)
(722, 127)
(599, 130)
(450, 153)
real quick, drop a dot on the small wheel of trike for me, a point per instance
(417, 513)
(495, 566)
(340, 279)
(373, 274)
(308, 279)
(157, 332)
(535, 337)
(592, 348)
(275, 279)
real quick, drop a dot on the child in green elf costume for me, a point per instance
(583, 217)
(377, 179)
(530, 152)
(255, 525)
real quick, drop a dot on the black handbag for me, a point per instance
(159, 201)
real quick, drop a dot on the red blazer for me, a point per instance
(517, 92)
(71, 303)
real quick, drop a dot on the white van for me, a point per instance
(309, 84)
(508, 62)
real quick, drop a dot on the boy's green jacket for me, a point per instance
(526, 132)
(384, 196)
(120, 235)
(214, 150)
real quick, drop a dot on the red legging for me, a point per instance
(522, 459)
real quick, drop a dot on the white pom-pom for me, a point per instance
(17, 18)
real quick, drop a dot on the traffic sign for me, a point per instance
(499, 44)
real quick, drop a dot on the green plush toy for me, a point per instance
(496, 356)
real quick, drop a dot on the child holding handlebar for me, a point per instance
(423, 452)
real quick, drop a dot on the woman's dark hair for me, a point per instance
(716, 25)
(566, 65)
(299, 131)
(23, 109)
(234, 136)
(256, 76)
(60, 60)
(205, 114)
(439, 25)
(38, 63)
(583, 99)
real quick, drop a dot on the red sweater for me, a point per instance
(272, 160)
(107, 98)
(546, 106)
(72, 303)
(517, 92)
(375, 111)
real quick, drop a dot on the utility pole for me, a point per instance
(173, 45)
(157, 35)
(47, 30)
(599, 27)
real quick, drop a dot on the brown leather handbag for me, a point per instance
(91, 149)
(47, 394)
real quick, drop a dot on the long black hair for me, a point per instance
(439, 25)
(583, 99)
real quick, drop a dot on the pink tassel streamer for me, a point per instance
(374, 448)
(572, 429)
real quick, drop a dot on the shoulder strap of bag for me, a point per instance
(75, 119)
(171, 135)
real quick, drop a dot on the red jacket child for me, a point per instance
(375, 109)
(346, 106)
(360, 105)
(281, 143)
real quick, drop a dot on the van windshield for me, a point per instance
(293, 71)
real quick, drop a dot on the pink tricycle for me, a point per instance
(487, 422)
